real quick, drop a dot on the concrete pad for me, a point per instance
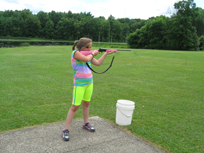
(48, 138)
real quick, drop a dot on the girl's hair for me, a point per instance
(81, 43)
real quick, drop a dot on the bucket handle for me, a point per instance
(125, 114)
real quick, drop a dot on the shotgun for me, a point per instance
(102, 50)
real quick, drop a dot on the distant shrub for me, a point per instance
(1, 44)
(25, 44)
(201, 39)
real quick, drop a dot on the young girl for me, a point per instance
(83, 82)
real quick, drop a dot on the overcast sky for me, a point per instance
(142, 9)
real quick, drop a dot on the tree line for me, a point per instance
(184, 30)
(66, 25)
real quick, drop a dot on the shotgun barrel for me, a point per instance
(108, 50)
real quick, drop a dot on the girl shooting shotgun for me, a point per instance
(102, 50)
(83, 82)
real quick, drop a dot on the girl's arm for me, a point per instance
(101, 59)
(81, 57)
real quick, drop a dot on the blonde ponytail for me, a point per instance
(75, 43)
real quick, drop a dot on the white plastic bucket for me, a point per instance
(124, 112)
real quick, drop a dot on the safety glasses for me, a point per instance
(89, 47)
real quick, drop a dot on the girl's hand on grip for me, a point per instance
(95, 52)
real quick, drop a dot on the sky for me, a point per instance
(132, 9)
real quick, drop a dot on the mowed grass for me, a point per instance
(167, 87)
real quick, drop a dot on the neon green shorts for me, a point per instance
(82, 93)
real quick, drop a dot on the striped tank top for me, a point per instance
(82, 74)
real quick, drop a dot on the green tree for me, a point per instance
(199, 22)
(144, 38)
(104, 27)
(88, 24)
(49, 29)
(24, 14)
(125, 31)
(43, 18)
(139, 39)
(116, 32)
(69, 14)
(2, 26)
(183, 33)
(201, 39)
(133, 39)
(65, 29)
(32, 26)
(152, 35)
(96, 28)
(111, 20)
(187, 8)
(16, 30)
(156, 32)
(55, 17)
(100, 26)
(8, 26)
(136, 24)
(78, 29)
(8, 13)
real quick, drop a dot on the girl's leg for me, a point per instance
(85, 102)
(86, 124)
(85, 105)
(72, 111)
(76, 102)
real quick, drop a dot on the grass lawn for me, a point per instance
(167, 87)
